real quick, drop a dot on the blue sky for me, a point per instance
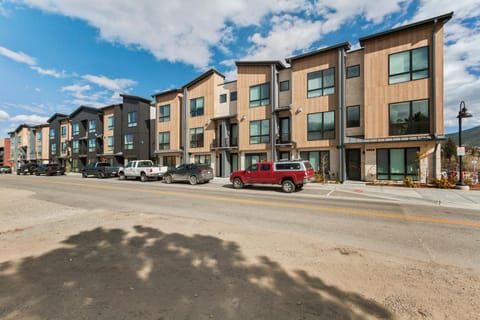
(56, 55)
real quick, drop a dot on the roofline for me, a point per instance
(203, 76)
(345, 45)
(135, 98)
(57, 115)
(444, 18)
(111, 106)
(166, 92)
(81, 108)
(278, 63)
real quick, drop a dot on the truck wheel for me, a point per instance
(168, 179)
(143, 177)
(101, 175)
(84, 175)
(121, 176)
(237, 183)
(193, 180)
(288, 186)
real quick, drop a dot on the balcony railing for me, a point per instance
(224, 143)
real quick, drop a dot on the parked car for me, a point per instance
(27, 168)
(99, 169)
(193, 173)
(5, 169)
(50, 169)
(143, 169)
(291, 175)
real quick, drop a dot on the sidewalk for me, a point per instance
(467, 199)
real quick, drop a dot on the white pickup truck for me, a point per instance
(143, 169)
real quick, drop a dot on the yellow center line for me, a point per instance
(281, 204)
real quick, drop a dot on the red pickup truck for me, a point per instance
(291, 175)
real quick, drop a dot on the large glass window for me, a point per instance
(76, 129)
(111, 122)
(132, 119)
(128, 141)
(164, 112)
(196, 138)
(197, 107)
(75, 146)
(203, 159)
(64, 131)
(110, 141)
(260, 131)
(64, 147)
(321, 126)
(395, 164)
(233, 96)
(252, 158)
(92, 126)
(409, 117)
(260, 95)
(353, 116)
(53, 149)
(164, 140)
(52, 134)
(321, 83)
(320, 160)
(92, 143)
(408, 65)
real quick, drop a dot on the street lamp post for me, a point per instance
(462, 113)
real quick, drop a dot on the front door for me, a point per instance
(354, 171)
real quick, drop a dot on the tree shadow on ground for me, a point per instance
(106, 274)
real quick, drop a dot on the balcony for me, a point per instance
(284, 139)
(225, 143)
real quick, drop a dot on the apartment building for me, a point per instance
(374, 113)
(5, 152)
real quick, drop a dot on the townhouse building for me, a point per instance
(373, 113)
(5, 152)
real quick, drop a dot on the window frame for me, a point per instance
(322, 131)
(53, 149)
(284, 87)
(163, 116)
(233, 96)
(390, 174)
(261, 134)
(132, 119)
(353, 67)
(356, 122)
(320, 91)
(195, 109)
(92, 129)
(64, 131)
(128, 141)
(92, 144)
(76, 129)
(111, 122)
(162, 145)
(223, 98)
(75, 146)
(263, 97)
(110, 143)
(195, 134)
(51, 134)
(410, 123)
(203, 159)
(410, 73)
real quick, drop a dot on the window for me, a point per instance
(64, 131)
(169, 161)
(196, 138)
(321, 83)
(320, 160)
(223, 98)
(408, 65)
(285, 85)
(284, 131)
(111, 123)
(203, 159)
(164, 140)
(353, 71)
(76, 129)
(39, 136)
(265, 167)
(132, 119)
(233, 96)
(52, 134)
(253, 158)
(395, 164)
(92, 144)
(39, 150)
(196, 107)
(260, 131)
(409, 117)
(284, 155)
(92, 126)
(110, 142)
(164, 112)
(128, 141)
(321, 126)
(64, 147)
(288, 166)
(353, 116)
(75, 147)
(260, 95)
(53, 149)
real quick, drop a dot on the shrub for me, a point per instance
(408, 182)
(443, 183)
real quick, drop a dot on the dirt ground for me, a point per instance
(58, 262)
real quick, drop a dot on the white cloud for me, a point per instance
(111, 84)
(48, 72)
(37, 89)
(21, 118)
(18, 56)
(4, 117)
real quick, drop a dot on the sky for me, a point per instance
(56, 55)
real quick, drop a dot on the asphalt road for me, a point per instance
(432, 234)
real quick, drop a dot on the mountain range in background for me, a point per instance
(470, 137)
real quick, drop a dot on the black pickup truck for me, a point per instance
(99, 169)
